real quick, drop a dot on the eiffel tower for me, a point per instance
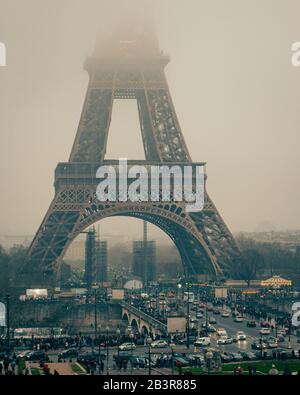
(127, 66)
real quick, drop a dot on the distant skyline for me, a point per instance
(235, 92)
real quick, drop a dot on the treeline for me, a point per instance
(265, 259)
(10, 262)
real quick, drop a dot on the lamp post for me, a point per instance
(290, 327)
(95, 317)
(118, 332)
(188, 317)
(172, 356)
(149, 341)
(131, 354)
(8, 322)
(99, 350)
(107, 351)
(209, 356)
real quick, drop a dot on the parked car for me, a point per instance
(127, 347)
(69, 353)
(265, 324)
(159, 344)
(89, 357)
(251, 324)
(217, 311)
(202, 341)
(225, 358)
(248, 356)
(36, 356)
(179, 361)
(212, 320)
(236, 357)
(199, 314)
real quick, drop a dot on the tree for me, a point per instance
(249, 265)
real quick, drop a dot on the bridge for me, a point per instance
(142, 322)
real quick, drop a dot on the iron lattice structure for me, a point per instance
(127, 69)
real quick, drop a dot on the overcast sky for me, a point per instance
(236, 94)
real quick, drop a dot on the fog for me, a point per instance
(235, 92)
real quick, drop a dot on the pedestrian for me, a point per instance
(234, 370)
(254, 370)
(250, 370)
(240, 371)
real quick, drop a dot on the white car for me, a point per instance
(127, 347)
(199, 315)
(159, 344)
(225, 314)
(238, 318)
(224, 340)
(240, 335)
(202, 341)
(221, 332)
(265, 331)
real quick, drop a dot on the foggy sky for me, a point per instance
(235, 91)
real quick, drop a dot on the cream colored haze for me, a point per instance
(235, 90)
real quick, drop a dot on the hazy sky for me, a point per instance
(236, 94)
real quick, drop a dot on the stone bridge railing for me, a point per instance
(145, 317)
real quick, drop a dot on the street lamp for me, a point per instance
(188, 317)
(149, 341)
(131, 355)
(107, 350)
(118, 332)
(209, 355)
(8, 322)
(99, 350)
(172, 360)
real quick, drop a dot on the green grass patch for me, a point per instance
(76, 368)
(36, 371)
(262, 367)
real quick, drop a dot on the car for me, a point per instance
(217, 311)
(179, 361)
(271, 342)
(265, 324)
(240, 335)
(196, 359)
(202, 341)
(238, 318)
(236, 357)
(251, 324)
(23, 354)
(221, 332)
(36, 356)
(264, 355)
(159, 344)
(89, 357)
(281, 338)
(212, 320)
(69, 353)
(224, 340)
(265, 331)
(225, 358)
(127, 346)
(258, 345)
(248, 356)
(199, 314)
(225, 314)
